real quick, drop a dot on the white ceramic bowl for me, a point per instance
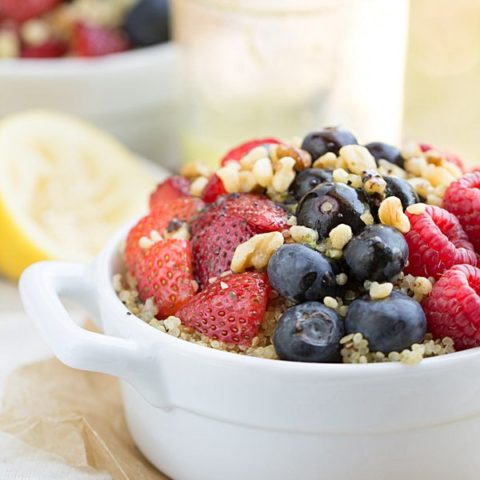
(201, 414)
(132, 94)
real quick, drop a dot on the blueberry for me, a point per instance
(390, 325)
(330, 139)
(300, 273)
(147, 23)
(309, 332)
(308, 179)
(330, 204)
(378, 253)
(400, 188)
(384, 151)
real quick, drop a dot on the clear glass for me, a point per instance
(284, 67)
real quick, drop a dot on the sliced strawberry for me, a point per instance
(450, 157)
(213, 189)
(165, 273)
(259, 212)
(94, 41)
(238, 152)
(144, 227)
(22, 10)
(262, 214)
(52, 48)
(172, 188)
(231, 309)
(182, 210)
(214, 246)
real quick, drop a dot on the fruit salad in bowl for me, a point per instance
(322, 251)
(84, 28)
(285, 303)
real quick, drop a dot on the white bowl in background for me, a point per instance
(133, 94)
(202, 414)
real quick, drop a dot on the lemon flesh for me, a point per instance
(64, 187)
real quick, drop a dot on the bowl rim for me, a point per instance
(81, 66)
(103, 277)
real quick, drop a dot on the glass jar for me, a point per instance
(258, 68)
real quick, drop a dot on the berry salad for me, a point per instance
(83, 28)
(322, 250)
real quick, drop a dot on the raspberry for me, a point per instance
(436, 242)
(453, 306)
(462, 198)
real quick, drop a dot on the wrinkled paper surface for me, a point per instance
(75, 415)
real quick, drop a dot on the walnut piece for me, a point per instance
(357, 158)
(256, 251)
(391, 214)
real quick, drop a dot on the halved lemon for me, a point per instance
(65, 186)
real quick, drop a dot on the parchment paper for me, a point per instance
(75, 415)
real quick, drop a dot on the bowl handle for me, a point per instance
(41, 286)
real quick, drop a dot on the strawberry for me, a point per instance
(214, 246)
(143, 228)
(172, 188)
(213, 189)
(165, 273)
(238, 152)
(182, 210)
(52, 48)
(22, 10)
(93, 41)
(230, 310)
(259, 212)
(262, 214)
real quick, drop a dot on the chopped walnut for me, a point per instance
(256, 251)
(262, 171)
(438, 175)
(193, 170)
(197, 186)
(357, 158)
(229, 174)
(284, 174)
(422, 186)
(390, 169)
(416, 208)
(248, 161)
(328, 160)
(373, 183)
(302, 158)
(391, 213)
(247, 181)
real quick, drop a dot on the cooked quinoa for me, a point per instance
(354, 346)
